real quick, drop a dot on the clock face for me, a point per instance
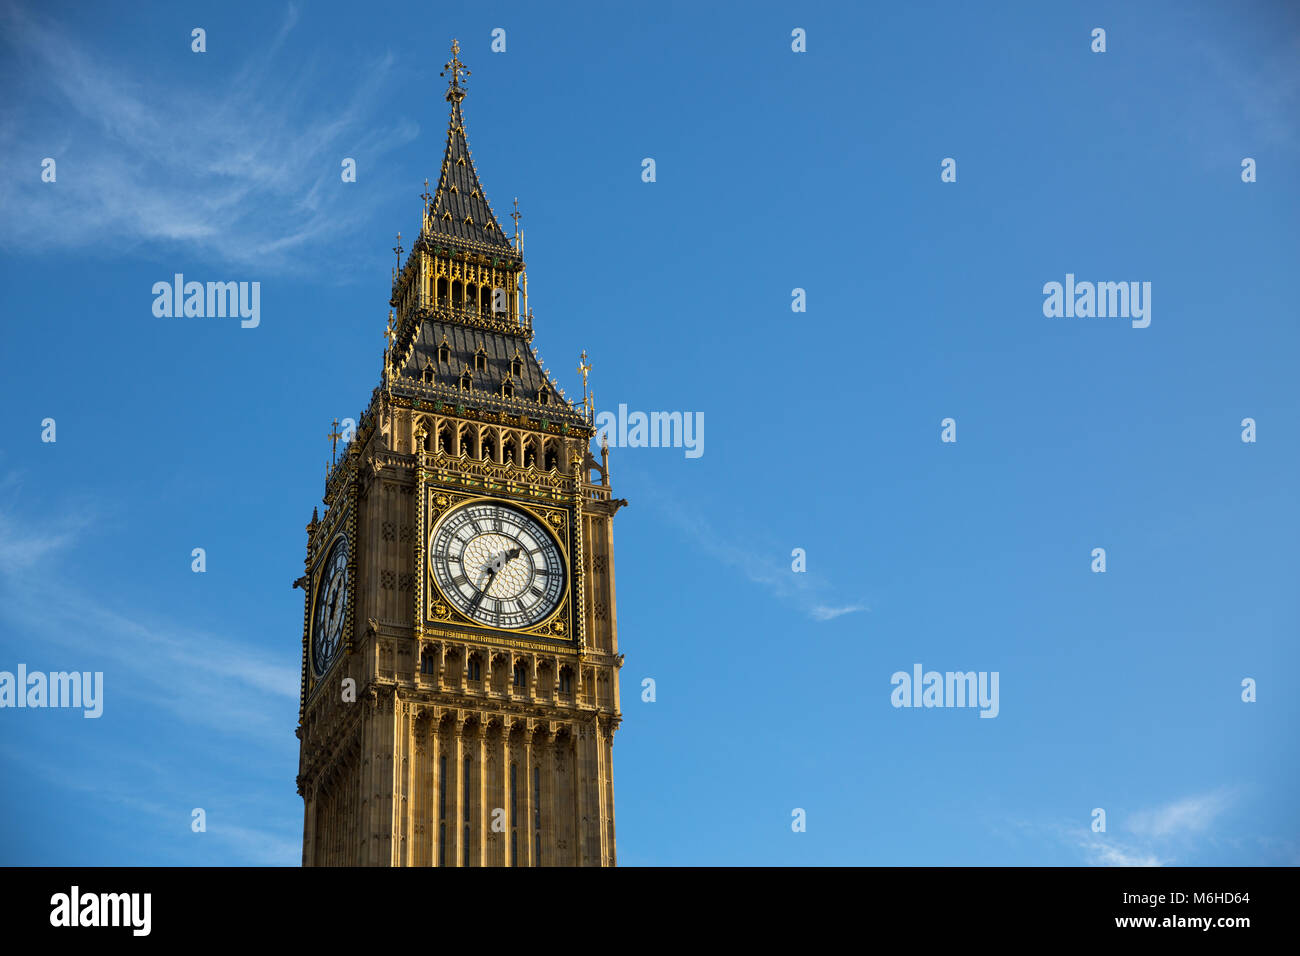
(331, 602)
(497, 565)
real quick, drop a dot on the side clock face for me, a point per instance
(497, 565)
(331, 601)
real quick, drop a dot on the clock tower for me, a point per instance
(460, 649)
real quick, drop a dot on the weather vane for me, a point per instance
(454, 66)
(334, 437)
(584, 367)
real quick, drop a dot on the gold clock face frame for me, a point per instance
(499, 565)
(331, 595)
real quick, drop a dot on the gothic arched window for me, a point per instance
(474, 668)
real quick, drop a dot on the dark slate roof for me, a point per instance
(464, 343)
(459, 209)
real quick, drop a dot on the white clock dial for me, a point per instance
(497, 565)
(331, 603)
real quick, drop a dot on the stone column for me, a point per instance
(526, 784)
(455, 770)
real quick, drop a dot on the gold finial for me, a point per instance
(390, 333)
(454, 66)
(519, 236)
(584, 367)
(334, 437)
(399, 250)
(425, 195)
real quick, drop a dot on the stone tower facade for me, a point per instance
(460, 647)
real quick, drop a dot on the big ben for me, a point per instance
(460, 648)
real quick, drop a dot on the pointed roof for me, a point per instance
(459, 209)
(489, 358)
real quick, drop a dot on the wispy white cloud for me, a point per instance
(259, 846)
(1261, 92)
(22, 548)
(190, 677)
(1111, 853)
(823, 613)
(1190, 815)
(255, 825)
(762, 567)
(240, 168)
(1150, 837)
(239, 688)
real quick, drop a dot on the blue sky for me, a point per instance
(775, 170)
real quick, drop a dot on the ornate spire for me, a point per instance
(459, 208)
(455, 92)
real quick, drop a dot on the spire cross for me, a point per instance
(584, 367)
(455, 92)
(334, 437)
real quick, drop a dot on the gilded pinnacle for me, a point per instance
(454, 66)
